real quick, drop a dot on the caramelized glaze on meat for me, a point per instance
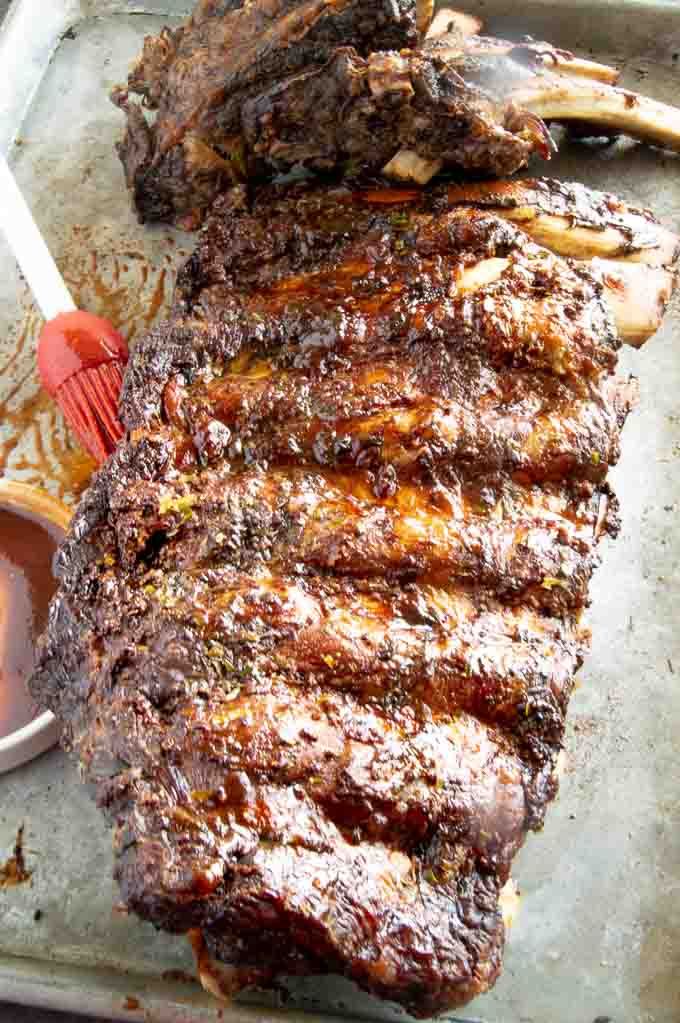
(319, 616)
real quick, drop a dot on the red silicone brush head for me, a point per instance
(80, 360)
(75, 341)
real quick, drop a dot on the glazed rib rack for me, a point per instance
(319, 616)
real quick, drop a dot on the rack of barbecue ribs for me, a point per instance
(319, 615)
(352, 86)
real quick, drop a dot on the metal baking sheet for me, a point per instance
(598, 935)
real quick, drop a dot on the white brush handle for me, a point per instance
(29, 248)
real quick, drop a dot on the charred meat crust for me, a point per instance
(439, 108)
(318, 617)
(242, 88)
(198, 76)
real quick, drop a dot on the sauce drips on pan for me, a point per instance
(117, 281)
(27, 548)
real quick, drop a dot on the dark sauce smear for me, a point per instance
(27, 548)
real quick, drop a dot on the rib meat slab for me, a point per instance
(247, 90)
(319, 616)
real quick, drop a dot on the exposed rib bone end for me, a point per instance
(579, 68)
(637, 296)
(463, 28)
(407, 165)
(479, 274)
(581, 242)
(558, 97)
(574, 222)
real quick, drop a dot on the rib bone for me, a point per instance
(559, 87)
(579, 68)
(406, 165)
(574, 221)
(542, 53)
(556, 97)
(636, 249)
(637, 296)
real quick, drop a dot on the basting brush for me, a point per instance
(81, 356)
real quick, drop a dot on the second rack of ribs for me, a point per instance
(318, 618)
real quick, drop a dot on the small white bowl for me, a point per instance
(43, 731)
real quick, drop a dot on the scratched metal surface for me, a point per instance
(599, 930)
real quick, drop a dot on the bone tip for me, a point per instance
(407, 165)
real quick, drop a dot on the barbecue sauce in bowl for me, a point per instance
(28, 544)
